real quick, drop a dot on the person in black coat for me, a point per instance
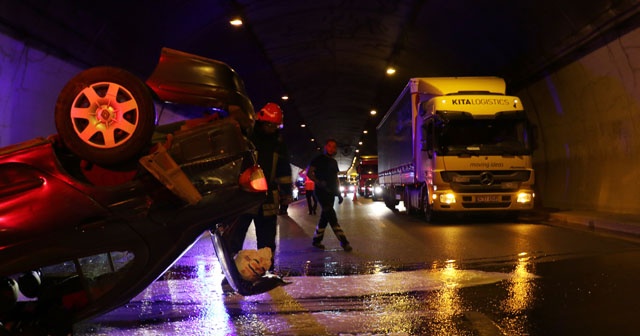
(323, 170)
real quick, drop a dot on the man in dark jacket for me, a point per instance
(273, 158)
(323, 170)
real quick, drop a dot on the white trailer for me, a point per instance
(456, 144)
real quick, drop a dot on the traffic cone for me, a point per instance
(355, 196)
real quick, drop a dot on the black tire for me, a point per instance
(429, 215)
(407, 202)
(389, 197)
(105, 115)
(8, 295)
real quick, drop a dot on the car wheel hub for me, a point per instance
(106, 114)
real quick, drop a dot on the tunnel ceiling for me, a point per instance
(328, 56)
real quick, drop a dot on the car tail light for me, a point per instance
(253, 180)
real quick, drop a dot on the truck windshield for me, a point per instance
(484, 137)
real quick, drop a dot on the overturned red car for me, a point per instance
(90, 217)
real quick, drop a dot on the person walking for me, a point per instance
(284, 207)
(310, 193)
(323, 170)
(273, 158)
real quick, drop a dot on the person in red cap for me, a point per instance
(273, 158)
(323, 170)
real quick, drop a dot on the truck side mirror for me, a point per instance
(533, 129)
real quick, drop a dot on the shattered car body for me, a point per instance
(78, 239)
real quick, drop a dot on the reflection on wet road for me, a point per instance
(403, 303)
(507, 279)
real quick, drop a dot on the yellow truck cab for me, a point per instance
(456, 144)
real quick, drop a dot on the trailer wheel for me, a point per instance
(391, 205)
(389, 198)
(407, 202)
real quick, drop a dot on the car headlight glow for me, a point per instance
(447, 198)
(341, 188)
(525, 197)
(377, 190)
(352, 188)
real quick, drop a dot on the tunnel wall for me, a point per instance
(30, 81)
(589, 130)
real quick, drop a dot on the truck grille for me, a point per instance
(485, 180)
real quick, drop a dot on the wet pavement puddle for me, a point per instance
(383, 283)
(396, 303)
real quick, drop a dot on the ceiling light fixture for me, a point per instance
(303, 125)
(365, 131)
(236, 22)
(391, 70)
(285, 97)
(373, 112)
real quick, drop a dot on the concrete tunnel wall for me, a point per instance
(30, 81)
(589, 130)
(587, 112)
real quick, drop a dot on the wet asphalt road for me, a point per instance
(404, 277)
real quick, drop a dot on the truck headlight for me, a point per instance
(447, 198)
(525, 197)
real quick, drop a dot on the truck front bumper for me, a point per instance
(450, 201)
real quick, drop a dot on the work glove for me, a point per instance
(340, 199)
